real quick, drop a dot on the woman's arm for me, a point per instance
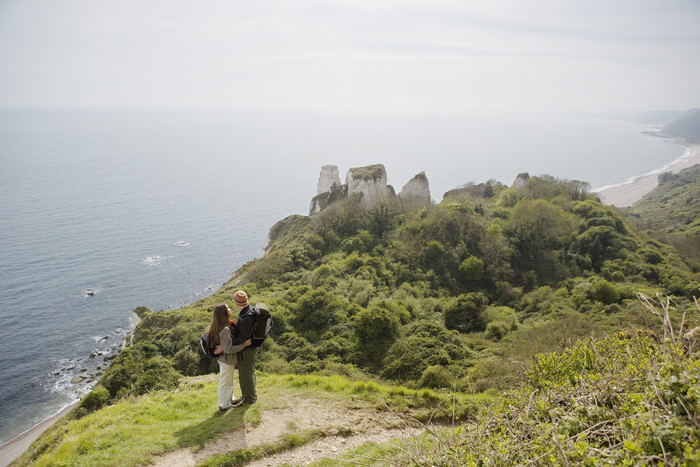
(227, 344)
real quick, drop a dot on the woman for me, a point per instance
(219, 331)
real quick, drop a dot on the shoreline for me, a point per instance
(15, 447)
(626, 194)
(19, 444)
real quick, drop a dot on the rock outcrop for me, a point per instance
(329, 178)
(417, 188)
(521, 180)
(370, 182)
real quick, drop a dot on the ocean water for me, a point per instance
(158, 208)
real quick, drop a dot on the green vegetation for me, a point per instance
(368, 173)
(494, 289)
(628, 399)
(670, 212)
(132, 430)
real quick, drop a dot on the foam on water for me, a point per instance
(155, 260)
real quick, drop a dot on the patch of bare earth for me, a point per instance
(348, 428)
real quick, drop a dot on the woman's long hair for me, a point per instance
(219, 321)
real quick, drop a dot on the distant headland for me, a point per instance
(684, 131)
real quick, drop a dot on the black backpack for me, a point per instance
(206, 346)
(262, 323)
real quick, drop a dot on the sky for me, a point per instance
(368, 56)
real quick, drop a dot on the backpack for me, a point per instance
(206, 346)
(262, 323)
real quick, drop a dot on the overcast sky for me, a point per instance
(352, 55)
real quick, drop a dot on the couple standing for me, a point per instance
(233, 341)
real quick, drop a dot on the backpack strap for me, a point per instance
(252, 311)
(249, 311)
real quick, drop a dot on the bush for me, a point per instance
(464, 314)
(376, 324)
(296, 347)
(606, 292)
(187, 362)
(138, 370)
(95, 399)
(496, 330)
(472, 269)
(409, 356)
(316, 310)
(436, 376)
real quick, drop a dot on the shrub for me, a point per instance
(472, 269)
(316, 309)
(187, 362)
(137, 370)
(436, 376)
(376, 324)
(95, 399)
(296, 347)
(606, 292)
(464, 314)
(496, 330)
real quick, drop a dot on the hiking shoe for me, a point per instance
(237, 400)
(224, 409)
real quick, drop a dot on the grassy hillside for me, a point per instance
(670, 212)
(464, 295)
(143, 430)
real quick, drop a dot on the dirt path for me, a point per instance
(349, 427)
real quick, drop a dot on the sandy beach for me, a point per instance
(626, 194)
(14, 448)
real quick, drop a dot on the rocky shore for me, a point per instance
(83, 382)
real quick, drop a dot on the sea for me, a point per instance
(105, 210)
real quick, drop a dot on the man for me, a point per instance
(247, 356)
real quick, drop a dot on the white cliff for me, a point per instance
(369, 181)
(417, 188)
(329, 177)
(521, 180)
(370, 184)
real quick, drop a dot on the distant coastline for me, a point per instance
(626, 194)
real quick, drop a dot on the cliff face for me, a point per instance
(417, 189)
(370, 182)
(328, 178)
(521, 180)
(327, 189)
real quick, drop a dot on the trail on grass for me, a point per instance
(347, 427)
